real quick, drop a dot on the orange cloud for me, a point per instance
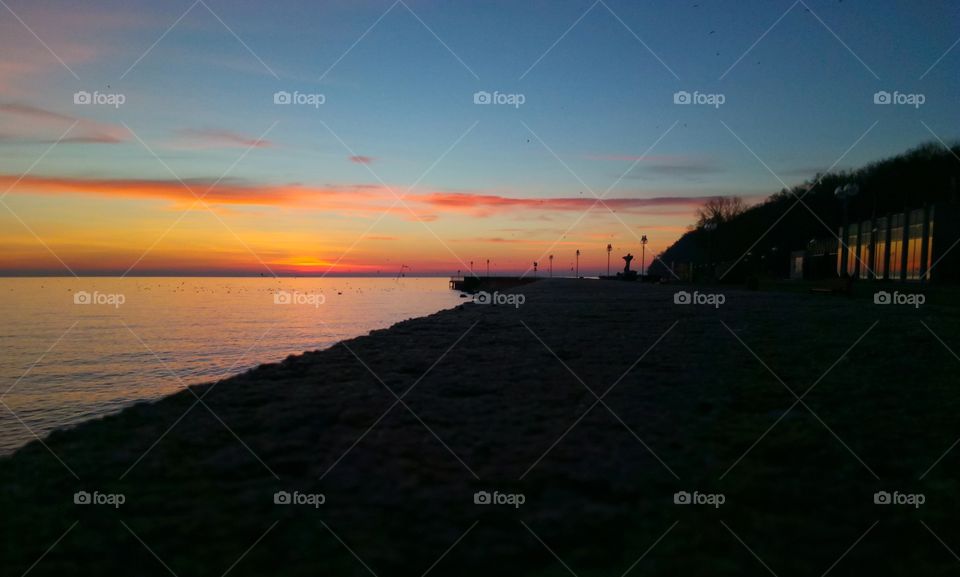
(522, 241)
(224, 192)
(481, 202)
(362, 198)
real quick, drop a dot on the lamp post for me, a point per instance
(488, 267)
(609, 250)
(551, 266)
(534, 269)
(471, 269)
(643, 256)
(578, 263)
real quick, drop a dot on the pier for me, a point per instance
(470, 284)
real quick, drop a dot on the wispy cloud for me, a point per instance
(39, 125)
(683, 169)
(192, 138)
(362, 159)
(665, 165)
(75, 37)
(520, 241)
(808, 171)
(481, 203)
(651, 158)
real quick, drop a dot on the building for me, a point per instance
(818, 260)
(914, 245)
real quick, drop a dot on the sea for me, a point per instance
(79, 348)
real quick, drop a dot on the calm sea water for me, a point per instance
(80, 348)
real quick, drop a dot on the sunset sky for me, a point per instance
(199, 171)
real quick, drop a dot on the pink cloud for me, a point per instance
(362, 159)
(42, 125)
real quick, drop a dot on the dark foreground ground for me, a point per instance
(497, 398)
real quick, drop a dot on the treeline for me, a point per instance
(758, 240)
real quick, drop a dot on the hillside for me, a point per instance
(790, 219)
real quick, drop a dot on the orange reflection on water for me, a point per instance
(111, 342)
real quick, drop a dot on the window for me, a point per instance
(852, 249)
(840, 250)
(896, 246)
(914, 244)
(866, 237)
(880, 249)
(930, 245)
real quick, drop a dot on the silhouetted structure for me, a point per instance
(477, 283)
(627, 274)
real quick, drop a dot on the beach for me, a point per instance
(560, 434)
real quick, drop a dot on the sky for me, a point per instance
(428, 136)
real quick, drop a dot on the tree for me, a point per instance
(720, 209)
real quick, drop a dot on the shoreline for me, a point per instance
(495, 399)
(104, 358)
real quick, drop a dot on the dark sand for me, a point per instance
(201, 500)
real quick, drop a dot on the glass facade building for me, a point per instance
(892, 247)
